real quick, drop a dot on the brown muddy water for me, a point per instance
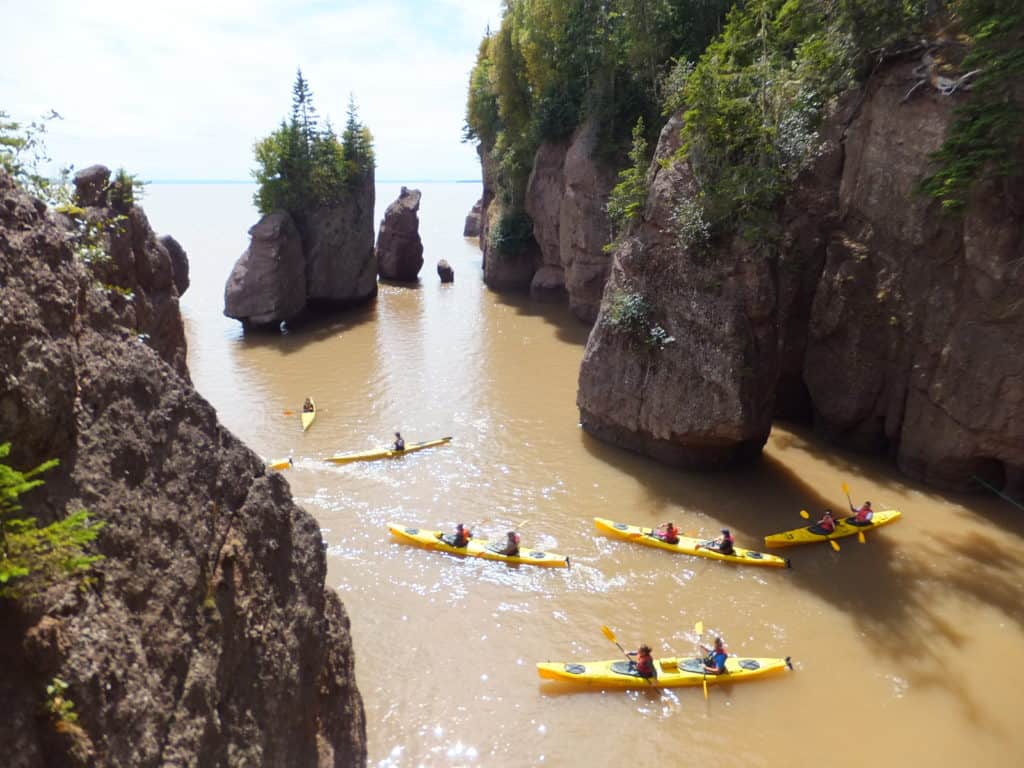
(908, 649)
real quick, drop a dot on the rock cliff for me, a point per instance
(399, 248)
(894, 327)
(207, 637)
(322, 258)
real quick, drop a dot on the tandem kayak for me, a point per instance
(385, 453)
(687, 546)
(308, 416)
(672, 672)
(844, 527)
(477, 548)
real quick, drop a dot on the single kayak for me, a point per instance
(672, 672)
(687, 546)
(385, 453)
(279, 465)
(844, 527)
(476, 547)
(308, 416)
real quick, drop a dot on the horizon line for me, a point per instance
(249, 181)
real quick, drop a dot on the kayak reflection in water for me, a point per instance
(399, 442)
(644, 661)
(714, 661)
(667, 532)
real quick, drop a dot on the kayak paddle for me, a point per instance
(699, 629)
(607, 632)
(846, 490)
(806, 516)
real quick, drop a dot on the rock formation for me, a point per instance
(894, 327)
(322, 258)
(445, 271)
(472, 226)
(399, 248)
(268, 283)
(207, 637)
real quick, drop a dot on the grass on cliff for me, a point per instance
(34, 557)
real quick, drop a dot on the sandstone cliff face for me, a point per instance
(566, 197)
(895, 327)
(208, 638)
(399, 248)
(322, 258)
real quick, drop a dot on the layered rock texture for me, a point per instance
(207, 637)
(892, 326)
(566, 197)
(318, 259)
(399, 248)
(472, 226)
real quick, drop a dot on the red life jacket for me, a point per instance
(863, 514)
(827, 525)
(645, 666)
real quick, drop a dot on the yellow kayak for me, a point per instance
(279, 465)
(844, 527)
(476, 548)
(308, 416)
(672, 672)
(385, 453)
(687, 546)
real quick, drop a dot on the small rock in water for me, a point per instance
(445, 271)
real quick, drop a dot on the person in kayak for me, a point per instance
(308, 407)
(725, 544)
(399, 442)
(667, 532)
(863, 515)
(827, 524)
(644, 661)
(511, 547)
(461, 536)
(714, 660)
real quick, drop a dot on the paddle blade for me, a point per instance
(805, 514)
(608, 633)
(699, 627)
(705, 688)
(289, 413)
(860, 537)
(846, 488)
(834, 543)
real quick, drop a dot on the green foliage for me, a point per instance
(985, 137)
(33, 557)
(511, 233)
(301, 166)
(630, 314)
(58, 705)
(23, 153)
(755, 99)
(125, 190)
(627, 199)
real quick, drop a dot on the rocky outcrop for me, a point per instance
(315, 259)
(445, 271)
(566, 197)
(179, 262)
(894, 327)
(337, 243)
(399, 248)
(472, 225)
(207, 637)
(268, 283)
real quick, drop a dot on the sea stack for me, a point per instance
(399, 248)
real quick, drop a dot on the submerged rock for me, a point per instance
(399, 248)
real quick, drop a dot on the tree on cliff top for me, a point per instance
(302, 166)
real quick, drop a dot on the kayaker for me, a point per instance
(667, 532)
(714, 661)
(863, 515)
(511, 547)
(308, 407)
(462, 536)
(827, 524)
(725, 544)
(644, 662)
(399, 442)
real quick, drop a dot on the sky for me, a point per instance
(181, 90)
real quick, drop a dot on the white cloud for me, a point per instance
(182, 90)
